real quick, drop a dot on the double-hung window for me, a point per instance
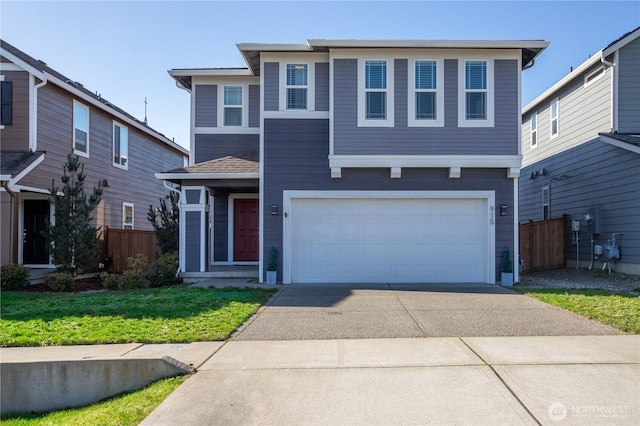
(6, 89)
(120, 146)
(476, 97)
(375, 88)
(80, 129)
(426, 96)
(546, 212)
(297, 85)
(233, 105)
(127, 215)
(534, 130)
(553, 117)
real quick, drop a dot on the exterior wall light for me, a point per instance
(274, 209)
(503, 210)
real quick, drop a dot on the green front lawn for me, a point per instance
(621, 311)
(176, 314)
(124, 410)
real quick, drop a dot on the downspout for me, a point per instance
(33, 140)
(14, 232)
(529, 65)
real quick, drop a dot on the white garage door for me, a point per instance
(388, 240)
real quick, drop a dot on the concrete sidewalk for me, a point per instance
(581, 380)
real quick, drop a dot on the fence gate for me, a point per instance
(122, 243)
(542, 244)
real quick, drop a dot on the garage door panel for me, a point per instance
(384, 240)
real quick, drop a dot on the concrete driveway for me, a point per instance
(348, 311)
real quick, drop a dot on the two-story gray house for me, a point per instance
(358, 160)
(45, 116)
(581, 156)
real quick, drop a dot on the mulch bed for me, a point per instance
(85, 284)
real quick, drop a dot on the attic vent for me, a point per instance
(593, 76)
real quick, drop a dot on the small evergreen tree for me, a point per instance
(73, 241)
(165, 222)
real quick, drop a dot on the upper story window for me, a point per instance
(120, 146)
(297, 86)
(534, 130)
(80, 129)
(233, 105)
(475, 103)
(375, 95)
(6, 94)
(426, 96)
(553, 117)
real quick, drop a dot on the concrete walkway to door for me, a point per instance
(348, 311)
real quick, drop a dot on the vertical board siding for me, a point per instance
(308, 142)
(576, 122)
(206, 105)
(16, 135)
(122, 244)
(629, 88)
(254, 105)
(322, 86)
(212, 146)
(193, 229)
(271, 81)
(450, 139)
(596, 175)
(136, 185)
(221, 226)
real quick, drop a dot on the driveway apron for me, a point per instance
(348, 311)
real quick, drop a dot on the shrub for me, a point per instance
(163, 272)
(111, 281)
(60, 281)
(12, 277)
(133, 277)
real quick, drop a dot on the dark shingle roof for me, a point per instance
(14, 162)
(244, 163)
(629, 138)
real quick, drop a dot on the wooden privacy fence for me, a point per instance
(542, 244)
(122, 243)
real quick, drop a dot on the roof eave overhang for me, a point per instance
(619, 143)
(206, 176)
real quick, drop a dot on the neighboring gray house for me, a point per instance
(581, 154)
(360, 161)
(45, 116)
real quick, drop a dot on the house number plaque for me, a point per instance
(492, 215)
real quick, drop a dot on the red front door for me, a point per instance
(245, 229)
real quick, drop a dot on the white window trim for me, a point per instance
(2, 79)
(551, 134)
(362, 110)
(412, 121)
(532, 130)
(311, 84)
(548, 203)
(245, 104)
(596, 74)
(133, 211)
(113, 145)
(462, 101)
(73, 129)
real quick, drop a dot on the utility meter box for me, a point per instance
(575, 225)
(595, 224)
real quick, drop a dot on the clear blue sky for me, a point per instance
(123, 49)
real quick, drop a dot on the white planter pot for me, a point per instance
(506, 278)
(272, 277)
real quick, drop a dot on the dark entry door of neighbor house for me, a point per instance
(34, 247)
(245, 229)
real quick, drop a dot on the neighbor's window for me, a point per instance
(6, 94)
(297, 86)
(120, 146)
(545, 203)
(534, 130)
(476, 90)
(233, 105)
(426, 86)
(375, 87)
(80, 129)
(554, 118)
(127, 215)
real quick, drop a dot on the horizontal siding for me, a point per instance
(193, 227)
(271, 81)
(212, 146)
(16, 135)
(583, 112)
(221, 226)
(136, 185)
(450, 139)
(629, 88)
(254, 105)
(206, 105)
(306, 141)
(322, 86)
(597, 175)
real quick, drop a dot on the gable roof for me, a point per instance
(242, 166)
(14, 165)
(593, 59)
(42, 71)
(628, 141)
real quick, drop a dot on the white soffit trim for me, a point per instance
(621, 43)
(218, 72)
(22, 64)
(426, 161)
(620, 144)
(203, 176)
(436, 44)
